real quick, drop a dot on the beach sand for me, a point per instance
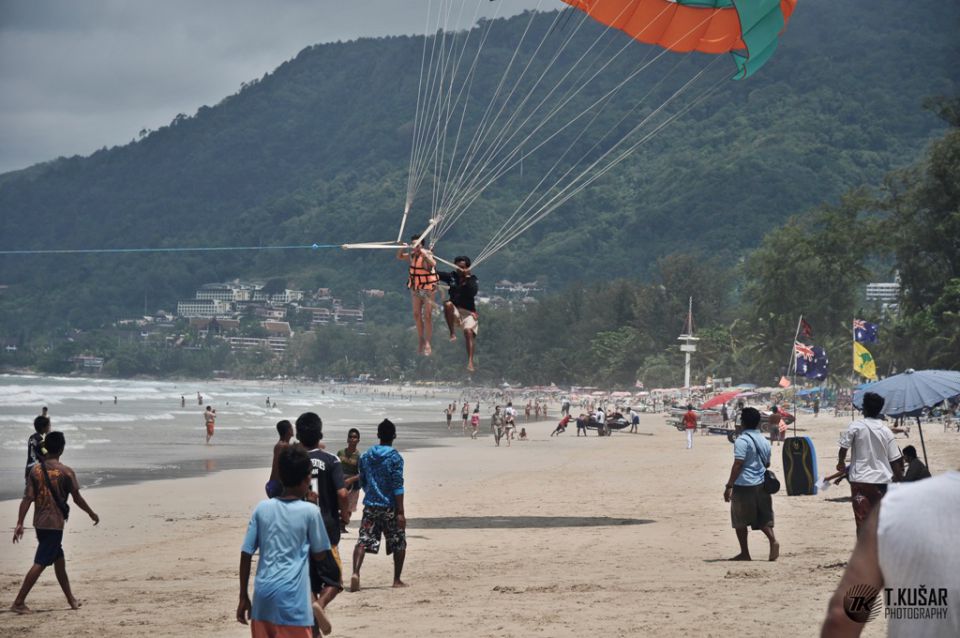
(502, 542)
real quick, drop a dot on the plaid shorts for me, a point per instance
(377, 521)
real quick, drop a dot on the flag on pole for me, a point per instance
(805, 329)
(812, 361)
(818, 369)
(863, 363)
(804, 354)
(865, 332)
(784, 382)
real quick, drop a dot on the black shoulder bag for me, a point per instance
(62, 504)
(771, 484)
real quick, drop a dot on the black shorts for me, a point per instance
(327, 572)
(751, 506)
(50, 548)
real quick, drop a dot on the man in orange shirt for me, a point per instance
(690, 424)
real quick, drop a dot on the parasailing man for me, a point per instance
(422, 282)
(460, 310)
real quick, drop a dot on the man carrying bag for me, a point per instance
(748, 489)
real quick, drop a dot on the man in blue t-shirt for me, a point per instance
(381, 476)
(287, 530)
(750, 505)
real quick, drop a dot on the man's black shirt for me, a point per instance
(463, 290)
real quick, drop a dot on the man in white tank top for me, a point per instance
(906, 565)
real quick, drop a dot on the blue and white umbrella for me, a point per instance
(908, 393)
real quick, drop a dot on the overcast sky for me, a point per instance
(77, 75)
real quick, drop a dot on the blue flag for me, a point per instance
(812, 361)
(865, 332)
(820, 364)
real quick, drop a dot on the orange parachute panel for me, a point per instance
(672, 25)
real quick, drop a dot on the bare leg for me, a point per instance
(450, 316)
(418, 319)
(398, 557)
(60, 568)
(742, 539)
(326, 596)
(358, 552)
(774, 545)
(471, 340)
(20, 603)
(427, 310)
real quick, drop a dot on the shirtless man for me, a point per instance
(274, 487)
(422, 282)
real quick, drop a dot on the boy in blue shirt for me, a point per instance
(381, 475)
(287, 530)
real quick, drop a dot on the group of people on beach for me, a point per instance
(297, 530)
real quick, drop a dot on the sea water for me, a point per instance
(147, 434)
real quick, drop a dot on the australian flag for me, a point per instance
(865, 332)
(812, 361)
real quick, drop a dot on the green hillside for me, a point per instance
(317, 151)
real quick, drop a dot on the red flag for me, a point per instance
(784, 382)
(805, 328)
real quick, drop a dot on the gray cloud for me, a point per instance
(80, 75)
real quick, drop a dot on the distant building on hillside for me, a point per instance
(883, 292)
(207, 308)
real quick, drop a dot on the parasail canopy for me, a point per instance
(748, 29)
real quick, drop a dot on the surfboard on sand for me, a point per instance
(800, 466)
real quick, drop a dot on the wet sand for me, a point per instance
(618, 536)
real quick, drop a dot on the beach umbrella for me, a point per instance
(720, 399)
(908, 393)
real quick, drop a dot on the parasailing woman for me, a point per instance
(422, 282)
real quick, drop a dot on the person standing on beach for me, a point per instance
(41, 425)
(274, 486)
(816, 407)
(875, 459)
(496, 424)
(329, 492)
(183, 401)
(199, 399)
(209, 420)
(350, 461)
(288, 531)
(381, 475)
(582, 424)
(464, 416)
(750, 505)
(724, 415)
(48, 485)
(690, 425)
(449, 414)
(475, 423)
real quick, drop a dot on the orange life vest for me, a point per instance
(422, 277)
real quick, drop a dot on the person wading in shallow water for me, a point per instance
(422, 281)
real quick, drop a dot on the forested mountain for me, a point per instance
(317, 151)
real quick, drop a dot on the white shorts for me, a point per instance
(467, 320)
